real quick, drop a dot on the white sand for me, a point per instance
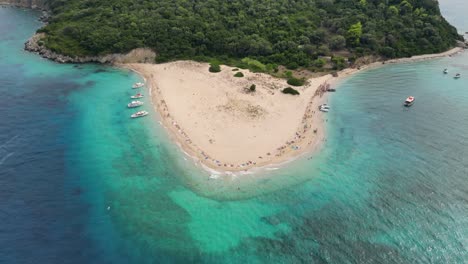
(228, 129)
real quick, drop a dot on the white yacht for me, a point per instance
(138, 85)
(139, 114)
(134, 104)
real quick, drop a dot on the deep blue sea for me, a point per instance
(81, 182)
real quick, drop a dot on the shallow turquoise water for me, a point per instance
(390, 185)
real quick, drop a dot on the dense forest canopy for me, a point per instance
(286, 32)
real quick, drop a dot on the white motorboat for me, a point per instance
(134, 104)
(457, 76)
(136, 96)
(445, 71)
(409, 101)
(139, 114)
(324, 108)
(138, 85)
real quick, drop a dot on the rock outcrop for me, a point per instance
(140, 55)
(462, 44)
(34, 4)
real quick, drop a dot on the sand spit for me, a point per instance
(226, 128)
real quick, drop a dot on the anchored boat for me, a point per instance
(139, 114)
(136, 96)
(138, 85)
(457, 76)
(324, 108)
(134, 104)
(445, 71)
(409, 101)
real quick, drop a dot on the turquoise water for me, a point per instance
(80, 182)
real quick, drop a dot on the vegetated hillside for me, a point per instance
(293, 33)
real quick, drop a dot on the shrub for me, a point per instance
(214, 67)
(254, 65)
(235, 69)
(272, 67)
(289, 90)
(319, 63)
(239, 74)
(252, 87)
(292, 66)
(339, 63)
(295, 81)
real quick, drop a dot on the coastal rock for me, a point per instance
(462, 44)
(140, 55)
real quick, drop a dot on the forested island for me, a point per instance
(296, 34)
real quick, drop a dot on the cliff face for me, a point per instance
(35, 4)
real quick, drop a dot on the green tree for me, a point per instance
(354, 34)
(337, 42)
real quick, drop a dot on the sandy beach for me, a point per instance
(224, 127)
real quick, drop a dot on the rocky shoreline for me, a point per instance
(33, 4)
(140, 55)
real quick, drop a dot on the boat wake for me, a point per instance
(4, 145)
(6, 157)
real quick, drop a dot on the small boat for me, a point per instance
(324, 108)
(445, 71)
(134, 104)
(138, 85)
(457, 76)
(136, 96)
(139, 114)
(409, 101)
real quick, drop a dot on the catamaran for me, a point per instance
(134, 104)
(139, 114)
(136, 96)
(409, 101)
(138, 85)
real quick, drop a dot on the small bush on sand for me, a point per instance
(235, 69)
(295, 81)
(239, 74)
(252, 88)
(214, 67)
(289, 90)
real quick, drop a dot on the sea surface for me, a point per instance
(81, 182)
